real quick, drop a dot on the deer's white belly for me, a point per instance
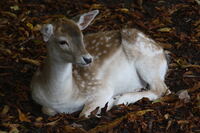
(120, 74)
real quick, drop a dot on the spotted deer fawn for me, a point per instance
(105, 67)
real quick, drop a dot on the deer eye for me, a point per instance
(63, 43)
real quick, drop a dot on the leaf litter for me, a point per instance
(175, 24)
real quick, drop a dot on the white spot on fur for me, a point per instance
(86, 74)
(90, 83)
(108, 45)
(107, 39)
(97, 43)
(99, 54)
(146, 46)
(101, 38)
(97, 49)
(93, 41)
(82, 84)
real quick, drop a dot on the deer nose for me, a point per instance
(87, 60)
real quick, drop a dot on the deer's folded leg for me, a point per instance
(98, 101)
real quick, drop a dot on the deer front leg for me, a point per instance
(98, 100)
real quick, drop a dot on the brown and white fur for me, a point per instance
(105, 67)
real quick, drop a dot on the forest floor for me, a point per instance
(175, 24)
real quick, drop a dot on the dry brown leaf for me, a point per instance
(195, 87)
(166, 116)
(166, 29)
(142, 112)
(166, 45)
(15, 7)
(23, 117)
(5, 51)
(70, 129)
(183, 122)
(37, 27)
(169, 124)
(14, 130)
(96, 6)
(39, 119)
(107, 126)
(53, 122)
(191, 65)
(111, 125)
(13, 127)
(30, 25)
(6, 13)
(5, 110)
(3, 131)
(123, 10)
(31, 61)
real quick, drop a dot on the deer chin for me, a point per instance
(83, 64)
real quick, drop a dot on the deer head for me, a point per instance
(65, 39)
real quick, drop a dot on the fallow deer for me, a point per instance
(105, 67)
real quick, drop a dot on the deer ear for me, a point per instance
(47, 31)
(86, 18)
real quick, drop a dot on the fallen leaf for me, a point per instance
(37, 27)
(166, 45)
(6, 13)
(142, 112)
(169, 123)
(70, 129)
(96, 6)
(191, 65)
(183, 122)
(53, 122)
(30, 25)
(15, 7)
(183, 95)
(5, 51)
(166, 29)
(166, 116)
(157, 101)
(13, 127)
(31, 61)
(124, 10)
(5, 110)
(195, 87)
(23, 117)
(14, 130)
(39, 119)
(3, 132)
(110, 125)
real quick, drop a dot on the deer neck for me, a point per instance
(58, 75)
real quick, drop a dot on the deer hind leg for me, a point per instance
(152, 70)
